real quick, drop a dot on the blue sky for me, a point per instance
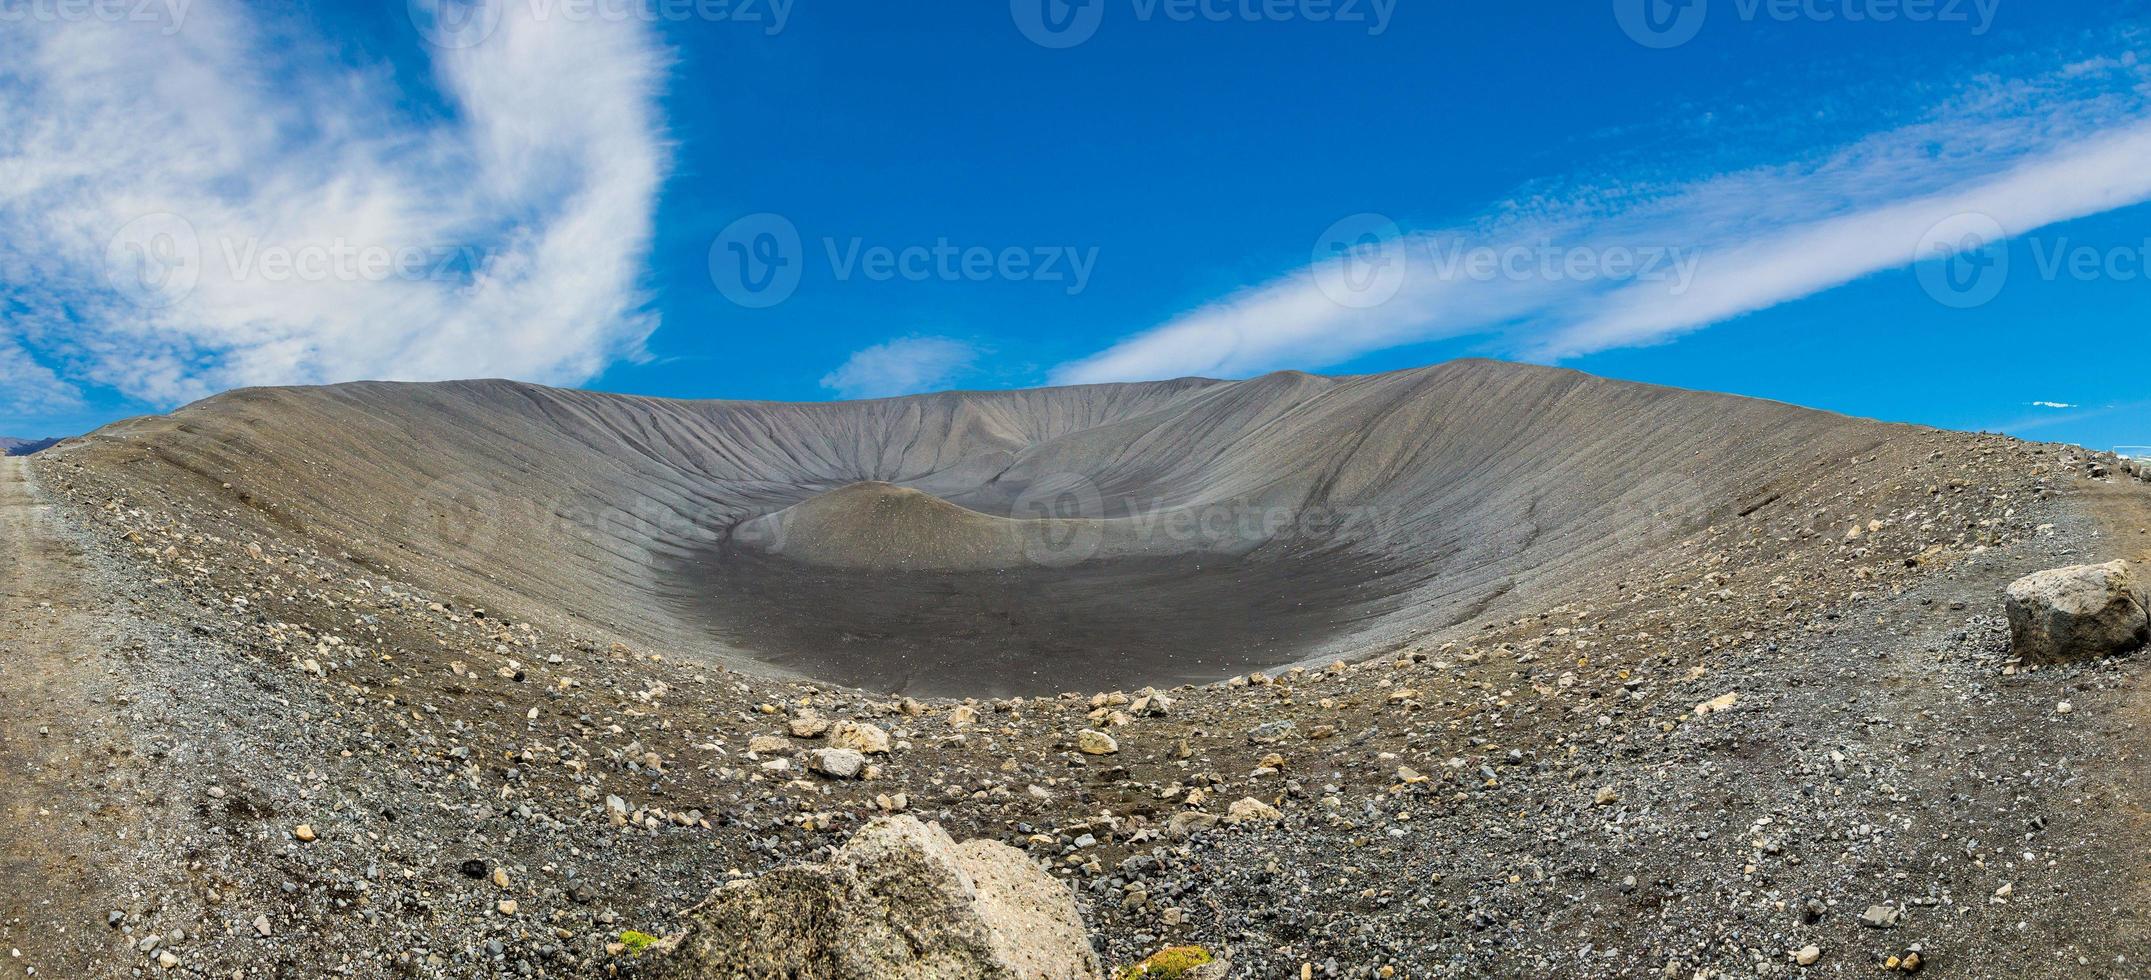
(797, 200)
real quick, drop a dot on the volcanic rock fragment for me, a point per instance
(1091, 742)
(837, 763)
(2077, 613)
(901, 901)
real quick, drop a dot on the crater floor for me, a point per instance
(1029, 629)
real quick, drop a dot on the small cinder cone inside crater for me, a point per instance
(877, 525)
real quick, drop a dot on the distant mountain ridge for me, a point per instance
(24, 447)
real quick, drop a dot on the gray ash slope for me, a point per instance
(1085, 537)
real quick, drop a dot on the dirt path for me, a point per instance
(2124, 509)
(59, 761)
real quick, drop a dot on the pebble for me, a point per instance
(1880, 917)
(837, 763)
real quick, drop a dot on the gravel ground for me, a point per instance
(312, 770)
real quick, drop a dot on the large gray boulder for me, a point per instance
(901, 901)
(2077, 613)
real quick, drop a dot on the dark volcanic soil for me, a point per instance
(1033, 630)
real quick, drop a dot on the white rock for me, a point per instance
(859, 736)
(837, 763)
(1723, 702)
(1092, 742)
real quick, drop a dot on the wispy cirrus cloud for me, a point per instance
(1556, 275)
(2051, 418)
(228, 200)
(905, 366)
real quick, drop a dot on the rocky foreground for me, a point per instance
(1801, 746)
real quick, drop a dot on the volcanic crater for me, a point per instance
(1021, 542)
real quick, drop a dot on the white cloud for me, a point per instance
(329, 230)
(28, 388)
(2052, 405)
(1550, 276)
(904, 366)
(2069, 181)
